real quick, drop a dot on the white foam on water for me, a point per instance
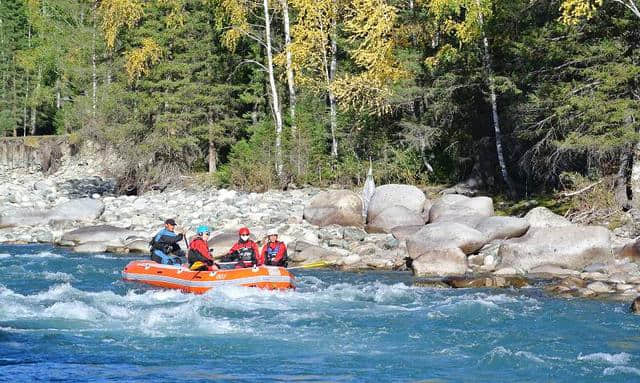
(5, 255)
(57, 276)
(621, 370)
(615, 359)
(501, 352)
(42, 254)
(73, 310)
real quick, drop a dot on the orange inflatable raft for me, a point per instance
(179, 277)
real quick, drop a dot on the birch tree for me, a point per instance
(238, 14)
(465, 21)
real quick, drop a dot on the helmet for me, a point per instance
(272, 232)
(202, 229)
(244, 231)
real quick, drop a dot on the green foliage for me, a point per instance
(169, 94)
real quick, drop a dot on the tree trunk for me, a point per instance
(290, 82)
(58, 95)
(34, 108)
(274, 92)
(94, 75)
(213, 154)
(621, 181)
(333, 105)
(494, 111)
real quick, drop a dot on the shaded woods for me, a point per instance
(513, 97)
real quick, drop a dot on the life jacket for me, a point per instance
(246, 254)
(272, 253)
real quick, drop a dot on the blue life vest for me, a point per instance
(271, 253)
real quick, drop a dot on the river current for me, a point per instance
(70, 317)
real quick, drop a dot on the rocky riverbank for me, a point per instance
(439, 236)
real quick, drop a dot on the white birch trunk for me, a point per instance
(213, 154)
(333, 105)
(274, 92)
(494, 110)
(290, 80)
(94, 74)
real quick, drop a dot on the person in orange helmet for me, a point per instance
(245, 252)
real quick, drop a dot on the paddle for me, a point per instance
(311, 265)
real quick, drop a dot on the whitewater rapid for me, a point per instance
(73, 315)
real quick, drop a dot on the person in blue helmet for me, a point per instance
(199, 250)
(164, 245)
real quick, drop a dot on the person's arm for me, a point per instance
(282, 250)
(170, 237)
(257, 259)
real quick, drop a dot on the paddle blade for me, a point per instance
(313, 265)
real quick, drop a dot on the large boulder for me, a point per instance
(440, 262)
(83, 209)
(100, 233)
(339, 207)
(572, 247)
(458, 208)
(437, 236)
(24, 217)
(392, 217)
(220, 243)
(390, 195)
(543, 217)
(498, 227)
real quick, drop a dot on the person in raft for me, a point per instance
(245, 252)
(164, 245)
(199, 256)
(274, 252)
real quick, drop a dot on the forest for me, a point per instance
(514, 97)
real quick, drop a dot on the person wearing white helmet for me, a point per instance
(274, 252)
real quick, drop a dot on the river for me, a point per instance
(70, 317)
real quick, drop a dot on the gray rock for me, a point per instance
(220, 243)
(91, 247)
(354, 234)
(440, 262)
(403, 232)
(502, 227)
(543, 217)
(24, 217)
(635, 306)
(445, 236)
(315, 253)
(393, 217)
(552, 271)
(572, 247)
(340, 207)
(83, 209)
(99, 233)
(390, 195)
(490, 281)
(426, 208)
(599, 287)
(137, 246)
(454, 205)
(595, 267)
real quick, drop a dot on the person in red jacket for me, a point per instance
(245, 252)
(199, 249)
(274, 252)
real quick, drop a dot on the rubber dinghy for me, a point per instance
(179, 277)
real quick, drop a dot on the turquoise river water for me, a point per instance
(70, 317)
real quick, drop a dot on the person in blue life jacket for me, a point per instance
(274, 252)
(164, 245)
